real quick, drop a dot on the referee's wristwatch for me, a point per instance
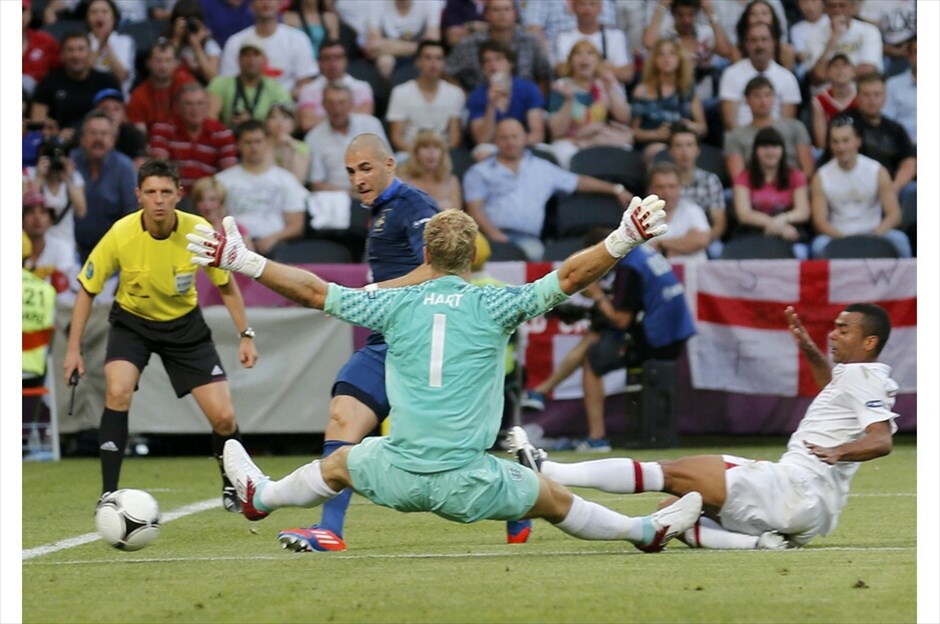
(248, 333)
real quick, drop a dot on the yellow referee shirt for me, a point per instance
(157, 277)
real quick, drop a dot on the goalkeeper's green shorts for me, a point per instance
(486, 488)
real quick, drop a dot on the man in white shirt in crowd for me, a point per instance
(901, 103)
(288, 50)
(858, 40)
(611, 42)
(426, 103)
(897, 22)
(267, 200)
(759, 45)
(689, 233)
(852, 194)
(333, 63)
(808, 34)
(329, 140)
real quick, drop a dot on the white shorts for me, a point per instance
(768, 496)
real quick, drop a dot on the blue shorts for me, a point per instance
(363, 378)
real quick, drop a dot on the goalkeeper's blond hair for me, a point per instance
(450, 237)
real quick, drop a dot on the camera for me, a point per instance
(57, 150)
(192, 24)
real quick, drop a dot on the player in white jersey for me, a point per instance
(444, 374)
(763, 504)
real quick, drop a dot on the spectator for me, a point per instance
(208, 199)
(897, 22)
(130, 140)
(250, 94)
(154, 99)
(333, 62)
(40, 52)
(111, 52)
(838, 98)
(761, 12)
(506, 193)
(546, 19)
(504, 96)
(193, 44)
(688, 234)
(355, 14)
(701, 187)
(224, 18)
(587, 108)
(808, 35)
(531, 63)
(200, 146)
(759, 46)
(429, 168)
(858, 40)
(62, 189)
(901, 103)
(396, 29)
(288, 152)
(770, 197)
(461, 18)
(68, 94)
(678, 19)
(729, 13)
(664, 97)
(611, 42)
(287, 50)
(759, 96)
(264, 198)
(426, 103)
(315, 18)
(329, 140)
(52, 259)
(883, 139)
(852, 194)
(38, 327)
(110, 181)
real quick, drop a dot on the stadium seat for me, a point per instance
(403, 73)
(461, 159)
(579, 212)
(860, 247)
(381, 89)
(63, 27)
(312, 252)
(613, 164)
(757, 247)
(506, 252)
(544, 155)
(560, 249)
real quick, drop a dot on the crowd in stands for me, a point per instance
(760, 120)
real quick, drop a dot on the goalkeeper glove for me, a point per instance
(642, 221)
(224, 250)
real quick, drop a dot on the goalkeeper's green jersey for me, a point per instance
(445, 365)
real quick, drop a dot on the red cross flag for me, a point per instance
(743, 344)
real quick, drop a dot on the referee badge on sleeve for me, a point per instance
(184, 282)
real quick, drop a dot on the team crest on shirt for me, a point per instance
(184, 282)
(89, 270)
(515, 473)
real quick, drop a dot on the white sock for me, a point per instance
(616, 475)
(709, 534)
(304, 487)
(591, 521)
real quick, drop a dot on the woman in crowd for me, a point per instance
(198, 52)
(771, 198)
(429, 168)
(587, 107)
(289, 153)
(666, 95)
(208, 197)
(111, 52)
(315, 18)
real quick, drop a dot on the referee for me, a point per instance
(155, 310)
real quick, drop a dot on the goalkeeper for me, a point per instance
(445, 369)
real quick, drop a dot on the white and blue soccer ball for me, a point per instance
(128, 519)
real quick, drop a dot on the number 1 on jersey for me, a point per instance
(435, 373)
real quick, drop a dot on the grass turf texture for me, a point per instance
(213, 566)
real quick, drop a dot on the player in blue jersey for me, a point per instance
(445, 368)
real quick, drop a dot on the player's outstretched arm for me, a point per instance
(227, 251)
(818, 362)
(642, 220)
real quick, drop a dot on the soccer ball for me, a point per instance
(128, 519)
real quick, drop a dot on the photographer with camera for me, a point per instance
(192, 41)
(643, 316)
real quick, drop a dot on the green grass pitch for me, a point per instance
(210, 566)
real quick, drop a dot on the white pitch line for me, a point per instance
(471, 555)
(87, 538)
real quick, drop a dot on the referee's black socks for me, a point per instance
(218, 445)
(112, 440)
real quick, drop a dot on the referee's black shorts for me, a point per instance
(184, 344)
